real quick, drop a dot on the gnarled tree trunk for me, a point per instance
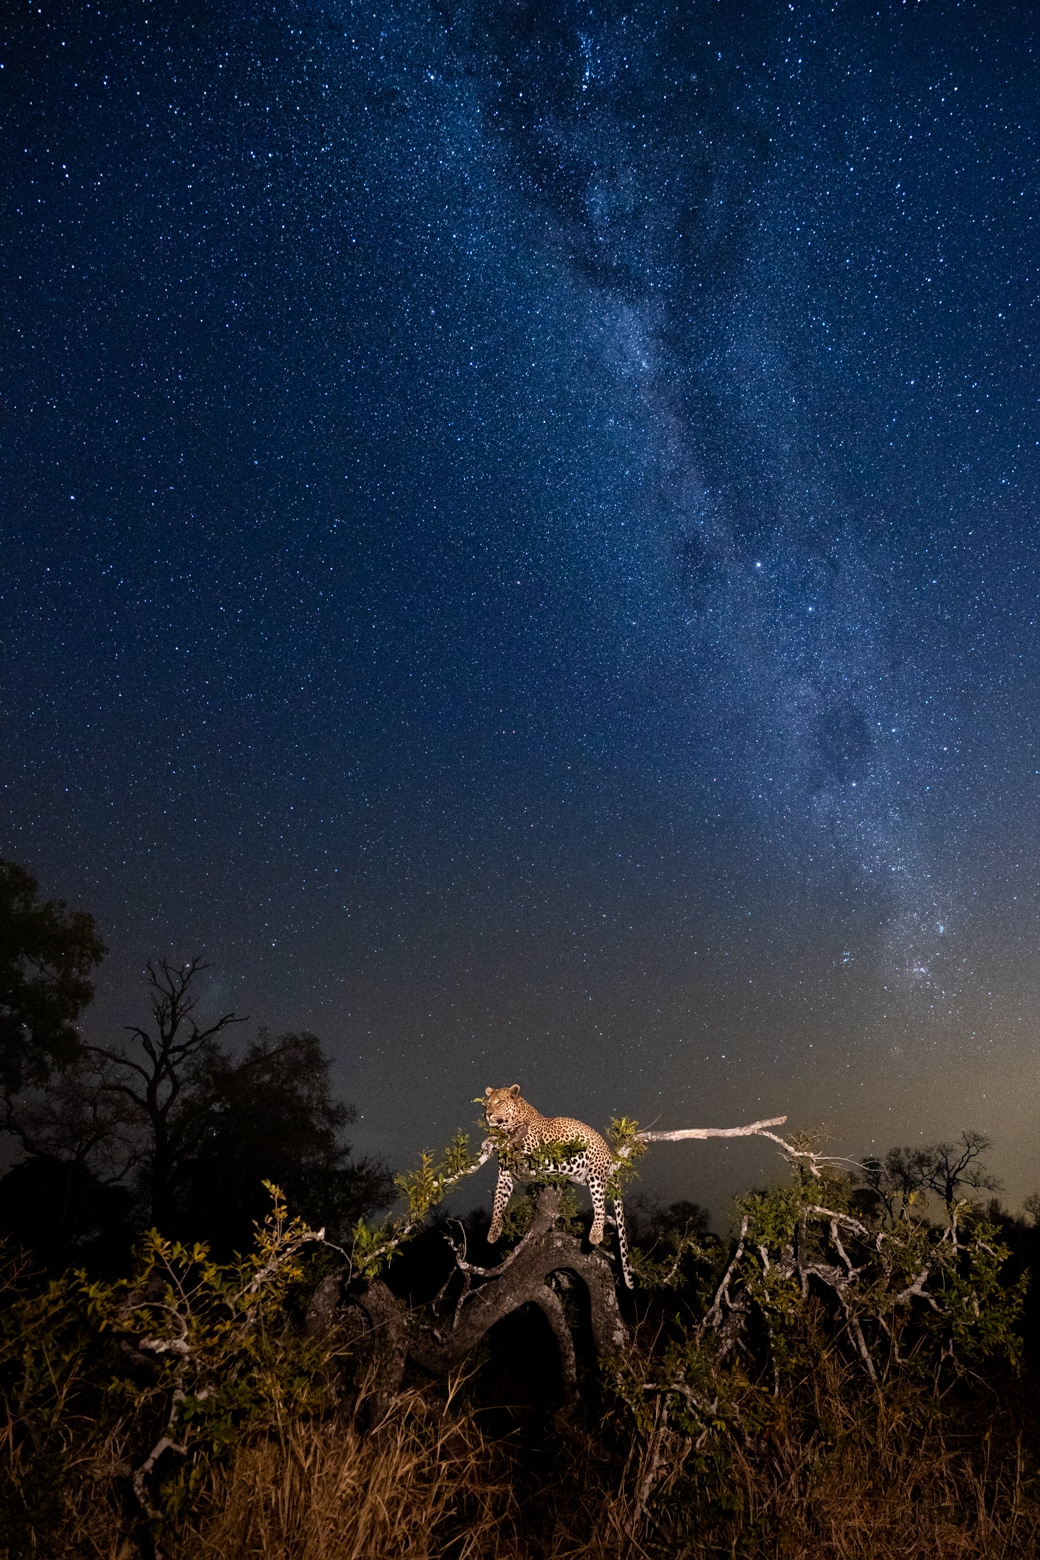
(488, 1296)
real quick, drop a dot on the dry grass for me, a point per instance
(887, 1497)
(837, 1475)
(873, 1484)
(851, 1475)
(425, 1484)
(418, 1485)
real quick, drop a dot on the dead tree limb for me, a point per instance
(753, 1129)
(761, 1128)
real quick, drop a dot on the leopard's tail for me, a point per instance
(622, 1240)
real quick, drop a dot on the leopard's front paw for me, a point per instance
(494, 1232)
(596, 1235)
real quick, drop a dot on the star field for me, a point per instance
(520, 543)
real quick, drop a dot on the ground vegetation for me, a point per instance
(847, 1374)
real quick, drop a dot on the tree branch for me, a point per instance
(753, 1129)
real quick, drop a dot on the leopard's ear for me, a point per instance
(514, 1090)
(488, 1090)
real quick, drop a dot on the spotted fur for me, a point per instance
(586, 1160)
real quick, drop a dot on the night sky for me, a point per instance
(520, 542)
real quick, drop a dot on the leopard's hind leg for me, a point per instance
(598, 1193)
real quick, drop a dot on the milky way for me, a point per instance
(676, 169)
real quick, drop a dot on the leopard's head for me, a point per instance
(504, 1108)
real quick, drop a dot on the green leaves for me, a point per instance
(628, 1149)
(422, 1189)
(622, 1137)
(837, 1318)
(425, 1187)
(215, 1355)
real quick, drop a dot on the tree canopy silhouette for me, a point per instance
(154, 1077)
(271, 1115)
(47, 954)
(170, 1129)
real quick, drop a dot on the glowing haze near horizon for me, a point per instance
(520, 543)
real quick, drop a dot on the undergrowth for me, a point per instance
(844, 1380)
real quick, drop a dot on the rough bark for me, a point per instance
(325, 1301)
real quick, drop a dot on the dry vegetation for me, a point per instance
(768, 1405)
(866, 1482)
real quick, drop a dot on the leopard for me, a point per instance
(586, 1160)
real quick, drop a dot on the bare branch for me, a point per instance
(164, 1444)
(754, 1128)
(713, 1317)
(917, 1289)
(406, 1231)
(120, 1059)
(847, 1219)
(537, 1230)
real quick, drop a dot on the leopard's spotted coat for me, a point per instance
(586, 1160)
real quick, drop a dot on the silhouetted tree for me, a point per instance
(173, 1118)
(153, 1076)
(62, 1212)
(47, 954)
(271, 1116)
(69, 1199)
(948, 1169)
(675, 1219)
(956, 1166)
